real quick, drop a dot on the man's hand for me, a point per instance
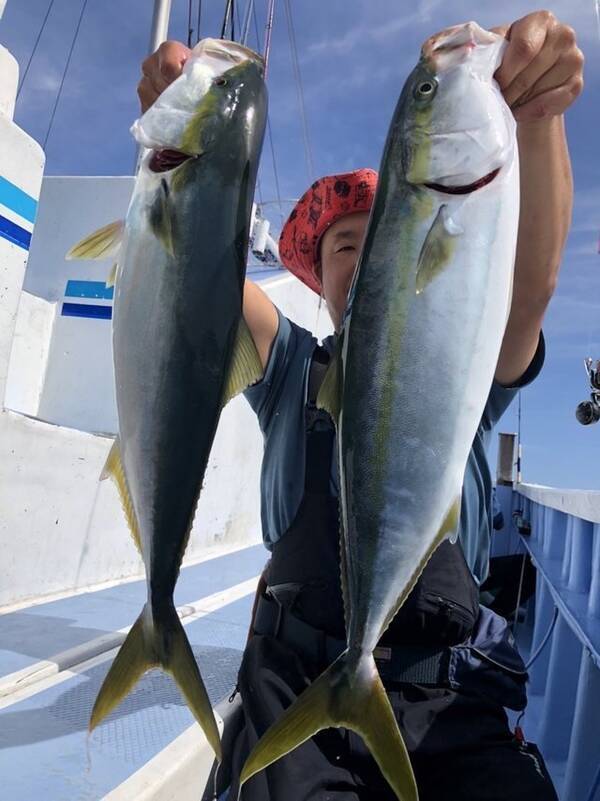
(542, 70)
(159, 70)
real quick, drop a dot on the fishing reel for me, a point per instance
(588, 412)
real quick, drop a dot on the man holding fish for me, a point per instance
(406, 404)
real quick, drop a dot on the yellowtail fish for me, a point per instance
(415, 362)
(181, 348)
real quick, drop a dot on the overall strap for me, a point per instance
(319, 429)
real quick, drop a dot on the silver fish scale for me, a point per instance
(407, 426)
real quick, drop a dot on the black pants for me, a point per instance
(461, 747)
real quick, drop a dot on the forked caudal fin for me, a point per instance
(348, 694)
(157, 644)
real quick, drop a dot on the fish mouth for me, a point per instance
(165, 160)
(468, 188)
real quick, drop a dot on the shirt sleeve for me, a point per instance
(500, 397)
(290, 346)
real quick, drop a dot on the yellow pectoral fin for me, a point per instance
(114, 469)
(246, 367)
(102, 244)
(329, 397)
(437, 250)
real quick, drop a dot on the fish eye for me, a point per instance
(425, 90)
(220, 81)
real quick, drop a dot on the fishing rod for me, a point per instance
(268, 31)
(228, 11)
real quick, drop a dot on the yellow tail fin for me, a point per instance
(350, 695)
(157, 644)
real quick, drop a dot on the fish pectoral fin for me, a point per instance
(344, 695)
(437, 249)
(114, 469)
(246, 367)
(112, 276)
(102, 244)
(329, 397)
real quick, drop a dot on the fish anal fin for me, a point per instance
(350, 695)
(448, 530)
(437, 249)
(329, 397)
(112, 276)
(114, 469)
(246, 367)
(102, 244)
(451, 522)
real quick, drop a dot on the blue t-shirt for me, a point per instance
(279, 401)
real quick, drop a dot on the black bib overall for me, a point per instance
(460, 744)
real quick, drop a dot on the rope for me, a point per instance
(64, 75)
(542, 645)
(519, 593)
(277, 191)
(232, 20)
(254, 17)
(296, 68)
(238, 21)
(595, 786)
(268, 31)
(35, 46)
(247, 18)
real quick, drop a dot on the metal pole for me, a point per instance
(158, 34)
(160, 24)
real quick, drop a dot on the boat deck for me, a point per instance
(54, 657)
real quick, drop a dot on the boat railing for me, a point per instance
(560, 530)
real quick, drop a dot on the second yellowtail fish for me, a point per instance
(431, 296)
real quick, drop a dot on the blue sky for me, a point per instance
(354, 56)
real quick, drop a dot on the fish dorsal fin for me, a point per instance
(102, 244)
(114, 469)
(246, 367)
(112, 276)
(437, 249)
(329, 397)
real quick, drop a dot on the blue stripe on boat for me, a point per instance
(16, 200)
(87, 310)
(89, 289)
(14, 233)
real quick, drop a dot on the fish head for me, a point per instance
(220, 80)
(456, 130)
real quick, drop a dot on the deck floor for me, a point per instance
(45, 751)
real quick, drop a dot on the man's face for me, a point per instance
(340, 249)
